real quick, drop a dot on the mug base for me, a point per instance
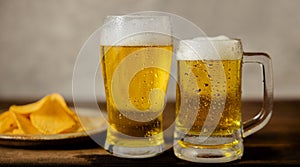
(212, 149)
(205, 155)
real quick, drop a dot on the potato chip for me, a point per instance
(72, 113)
(62, 102)
(7, 122)
(17, 132)
(29, 108)
(52, 117)
(24, 124)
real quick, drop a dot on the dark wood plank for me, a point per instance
(276, 144)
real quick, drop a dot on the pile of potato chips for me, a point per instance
(50, 115)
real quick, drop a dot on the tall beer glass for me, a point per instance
(209, 125)
(136, 53)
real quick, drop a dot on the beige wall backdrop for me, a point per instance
(40, 39)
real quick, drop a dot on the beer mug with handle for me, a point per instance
(209, 126)
(136, 56)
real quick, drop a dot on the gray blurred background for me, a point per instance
(40, 39)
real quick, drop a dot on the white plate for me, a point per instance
(92, 120)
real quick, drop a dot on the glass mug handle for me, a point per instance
(262, 118)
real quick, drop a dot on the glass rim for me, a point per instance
(222, 40)
(136, 16)
(234, 41)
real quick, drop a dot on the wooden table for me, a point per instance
(276, 144)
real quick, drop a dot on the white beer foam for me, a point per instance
(136, 31)
(210, 48)
(144, 39)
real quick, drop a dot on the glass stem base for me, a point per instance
(134, 152)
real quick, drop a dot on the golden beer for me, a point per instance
(214, 84)
(209, 125)
(136, 80)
